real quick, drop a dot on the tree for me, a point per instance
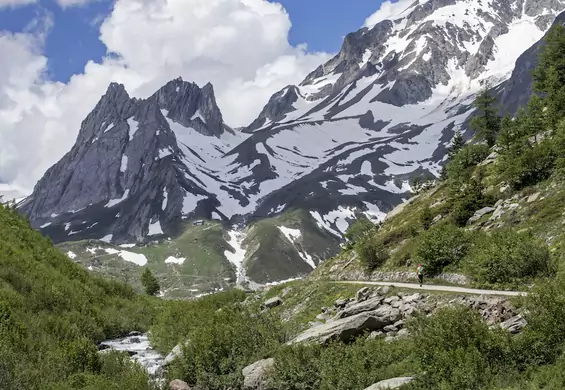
(487, 123)
(549, 75)
(149, 282)
(372, 253)
(456, 145)
(507, 133)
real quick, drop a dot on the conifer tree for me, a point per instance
(549, 75)
(487, 123)
(456, 145)
(149, 282)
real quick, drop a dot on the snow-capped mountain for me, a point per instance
(346, 139)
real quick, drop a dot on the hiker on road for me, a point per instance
(420, 271)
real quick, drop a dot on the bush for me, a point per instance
(509, 257)
(150, 282)
(456, 350)
(219, 349)
(460, 168)
(339, 366)
(441, 246)
(372, 253)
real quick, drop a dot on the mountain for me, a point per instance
(347, 140)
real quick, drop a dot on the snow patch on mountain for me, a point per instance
(237, 257)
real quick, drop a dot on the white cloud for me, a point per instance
(73, 3)
(388, 10)
(241, 46)
(15, 3)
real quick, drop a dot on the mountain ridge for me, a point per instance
(348, 139)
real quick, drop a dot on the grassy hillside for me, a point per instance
(53, 311)
(197, 261)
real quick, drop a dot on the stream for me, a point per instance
(138, 347)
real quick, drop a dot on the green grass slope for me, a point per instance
(52, 312)
(269, 255)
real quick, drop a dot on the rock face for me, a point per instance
(515, 324)
(125, 178)
(254, 375)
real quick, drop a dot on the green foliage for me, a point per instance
(372, 253)
(509, 257)
(442, 245)
(461, 168)
(217, 351)
(52, 312)
(467, 200)
(426, 217)
(456, 145)
(487, 123)
(149, 282)
(549, 75)
(338, 366)
(456, 350)
(359, 229)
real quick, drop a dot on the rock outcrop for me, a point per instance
(393, 383)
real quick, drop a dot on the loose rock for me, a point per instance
(273, 302)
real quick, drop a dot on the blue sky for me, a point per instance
(73, 38)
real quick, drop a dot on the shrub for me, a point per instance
(220, 348)
(456, 350)
(506, 256)
(441, 246)
(372, 253)
(426, 218)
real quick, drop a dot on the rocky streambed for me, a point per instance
(137, 345)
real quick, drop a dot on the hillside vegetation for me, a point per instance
(512, 173)
(52, 312)
(497, 213)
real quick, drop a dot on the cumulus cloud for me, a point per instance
(388, 10)
(241, 46)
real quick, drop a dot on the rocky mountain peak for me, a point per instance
(191, 106)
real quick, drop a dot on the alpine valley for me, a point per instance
(165, 182)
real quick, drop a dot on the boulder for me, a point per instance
(346, 329)
(273, 302)
(390, 328)
(255, 375)
(177, 384)
(362, 294)
(375, 334)
(360, 307)
(480, 213)
(175, 353)
(412, 298)
(515, 324)
(341, 303)
(135, 333)
(393, 383)
(533, 197)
